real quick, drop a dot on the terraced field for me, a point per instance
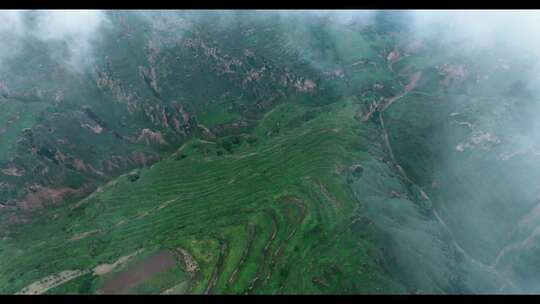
(248, 219)
(246, 152)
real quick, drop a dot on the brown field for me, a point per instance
(139, 273)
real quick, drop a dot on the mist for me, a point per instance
(463, 128)
(70, 33)
(487, 156)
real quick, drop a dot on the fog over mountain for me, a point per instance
(269, 151)
(69, 32)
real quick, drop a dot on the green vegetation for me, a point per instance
(276, 216)
(14, 118)
(246, 153)
(276, 204)
(217, 115)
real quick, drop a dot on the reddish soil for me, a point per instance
(38, 195)
(139, 273)
(393, 56)
(141, 158)
(414, 81)
(150, 137)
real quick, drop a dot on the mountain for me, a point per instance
(252, 152)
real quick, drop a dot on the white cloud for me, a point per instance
(483, 28)
(77, 28)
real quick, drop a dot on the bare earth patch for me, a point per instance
(83, 235)
(97, 129)
(133, 276)
(149, 137)
(167, 203)
(12, 171)
(177, 289)
(122, 222)
(189, 261)
(106, 268)
(335, 204)
(52, 281)
(39, 195)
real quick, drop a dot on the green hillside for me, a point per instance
(228, 152)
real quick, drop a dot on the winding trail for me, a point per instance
(523, 244)
(384, 103)
(381, 107)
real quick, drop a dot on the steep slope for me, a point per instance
(142, 95)
(310, 209)
(241, 152)
(467, 137)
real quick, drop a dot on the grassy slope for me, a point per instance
(352, 240)
(218, 198)
(282, 215)
(14, 117)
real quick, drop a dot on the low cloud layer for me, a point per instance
(483, 28)
(75, 28)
